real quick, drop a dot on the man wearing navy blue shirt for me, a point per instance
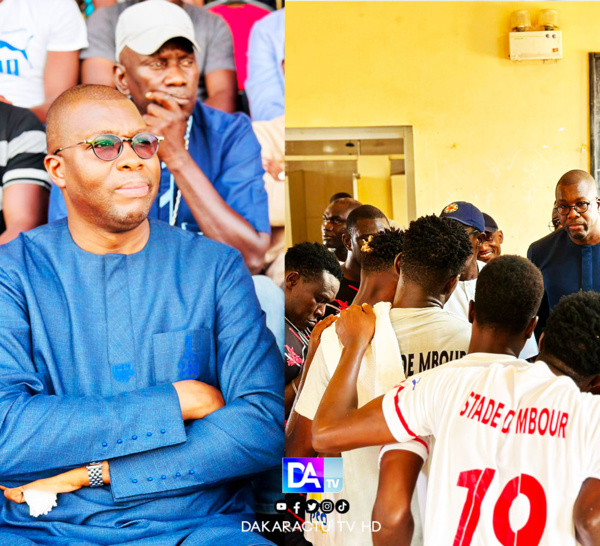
(569, 258)
(211, 168)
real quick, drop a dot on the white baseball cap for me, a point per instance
(146, 26)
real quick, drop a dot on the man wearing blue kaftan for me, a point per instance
(89, 348)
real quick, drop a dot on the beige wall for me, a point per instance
(486, 130)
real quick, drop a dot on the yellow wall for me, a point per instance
(486, 130)
(374, 185)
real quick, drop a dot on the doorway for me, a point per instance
(375, 165)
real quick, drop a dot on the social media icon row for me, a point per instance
(299, 505)
(312, 474)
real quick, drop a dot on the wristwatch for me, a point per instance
(95, 474)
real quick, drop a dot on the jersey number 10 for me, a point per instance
(477, 482)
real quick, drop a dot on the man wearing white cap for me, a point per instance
(211, 177)
(216, 62)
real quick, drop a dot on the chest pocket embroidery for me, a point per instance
(182, 355)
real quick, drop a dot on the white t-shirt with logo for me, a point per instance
(28, 30)
(431, 336)
(513, 444)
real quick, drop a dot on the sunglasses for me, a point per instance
(109, 147)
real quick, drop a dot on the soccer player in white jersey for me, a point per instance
(513, 441)
(434, 252)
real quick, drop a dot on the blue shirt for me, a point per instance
(89, 348)
(265, 84)
(226, 150)
(565, 266)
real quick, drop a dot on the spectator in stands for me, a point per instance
(490, 247)
(115, 330)
(265, 85)
(362, 222)
(214, 56)
(39, 51)
(24, 183)
(240, 17)
(211, 179)
(312, 278)
(271, 136)
(334, 225)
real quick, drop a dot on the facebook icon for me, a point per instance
(312, 475)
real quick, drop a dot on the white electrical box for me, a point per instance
(536, 46)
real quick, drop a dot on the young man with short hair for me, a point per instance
(501, 425)
(362, 222)
(416, 334)
(312, 278)
(334, 225)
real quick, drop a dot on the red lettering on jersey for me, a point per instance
(531, 533)
(553, 427)
(479, 408)
(477, 483)
(529, 420)
(506, 426)
(467, 404)
(487, 414)
(477, 397)
(542, 429)
(532, 420)
(522, 421)
(499, 407)
(563, 424)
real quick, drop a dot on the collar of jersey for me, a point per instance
(493, 358)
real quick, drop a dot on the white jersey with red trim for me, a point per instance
(513, 444)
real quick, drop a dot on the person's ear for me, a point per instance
(398, 263)
(541, 343)
(471, 313)
(120, 79)
(292, 278)
(55, 168)
(347, 241)
(500, 237)
(593, 385)
(450, 286)
(531, 327)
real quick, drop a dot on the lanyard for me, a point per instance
(172, 186)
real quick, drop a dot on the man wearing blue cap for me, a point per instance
(472, 219)
(491, 245)
(476, 225)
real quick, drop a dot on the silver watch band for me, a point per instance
(95, 474)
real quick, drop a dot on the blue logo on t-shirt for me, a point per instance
(11, 66)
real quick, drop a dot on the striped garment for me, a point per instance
(22, 150)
